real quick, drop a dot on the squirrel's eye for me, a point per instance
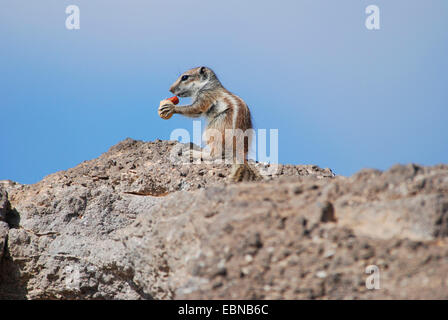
(184, 78)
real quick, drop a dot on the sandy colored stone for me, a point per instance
(132, 224)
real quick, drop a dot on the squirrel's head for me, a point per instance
(191, 81)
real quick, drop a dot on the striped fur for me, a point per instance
(222, 109)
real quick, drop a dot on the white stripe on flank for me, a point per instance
(235, 110)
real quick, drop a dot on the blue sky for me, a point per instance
(341, 96)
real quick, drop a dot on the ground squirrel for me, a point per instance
(229, 124)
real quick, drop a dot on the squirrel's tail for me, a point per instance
(245, 172)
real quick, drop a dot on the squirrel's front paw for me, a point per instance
(166, 109)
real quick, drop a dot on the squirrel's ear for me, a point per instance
(203, 72)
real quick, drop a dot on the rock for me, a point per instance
(4, 227)
(132, 224)
(4, 204)
(405, 201)
(280, 256)
(326, 213)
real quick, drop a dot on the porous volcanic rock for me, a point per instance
(136, 223)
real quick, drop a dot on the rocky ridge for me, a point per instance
(132, 224)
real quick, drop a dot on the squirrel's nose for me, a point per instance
(172, 89)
